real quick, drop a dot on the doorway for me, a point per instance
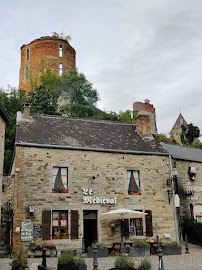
(90, 227)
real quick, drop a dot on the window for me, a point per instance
(133, 182)
(60, 50)
(28, 54)
(60, 69)
(26, 73)
(60, 179)
(136, 227)
(60, 224)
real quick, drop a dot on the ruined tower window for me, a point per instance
(133, 182)
(60, 51)
(60, 70)
(60, 179)
(28, 54)
(26, 73)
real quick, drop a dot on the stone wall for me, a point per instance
(185, 184)
(105, 174)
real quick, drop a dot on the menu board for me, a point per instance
(26, 231)
(37, 232)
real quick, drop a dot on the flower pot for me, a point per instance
(64, 237)
(37, 253)
(134, 193)
(72, 267)
(55, 191)
(101, 252)
(172, 250)
(56, 237)
(139, 251)
(65, 191)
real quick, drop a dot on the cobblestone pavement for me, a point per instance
(191, 261)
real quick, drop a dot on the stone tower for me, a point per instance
(52, 52)
(145, 119)
(176, 131)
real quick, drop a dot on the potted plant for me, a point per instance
(67, 261)
(171, 248)
(56, 235)
(59, 189)
(64, 235)
(19, 263)
(145, 264)
(102, 250)
(135, 192)
(36, 247)
(123, 262)
(139, 248)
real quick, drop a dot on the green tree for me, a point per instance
(189, 133)
(126, 116)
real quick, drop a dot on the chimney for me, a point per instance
(143, 124)
(26, 111)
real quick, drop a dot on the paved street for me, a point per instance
(192, 261)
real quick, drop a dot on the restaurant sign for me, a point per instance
(26, 231)
(89, 198)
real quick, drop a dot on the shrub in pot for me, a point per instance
(123, 262)
(19, 263)
(101, 248)
(139, 248)
(67, 261)
(171, 248)
(145, 264)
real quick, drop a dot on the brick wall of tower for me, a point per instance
(45, 51)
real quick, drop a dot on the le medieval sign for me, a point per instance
(89, 198)
(26, 231)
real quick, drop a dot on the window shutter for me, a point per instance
(149, 229)
(46, 222)
(125, 230)
(74, 224)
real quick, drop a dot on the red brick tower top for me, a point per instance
(52, 52)
(138, 106)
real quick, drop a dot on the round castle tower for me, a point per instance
(46, 52)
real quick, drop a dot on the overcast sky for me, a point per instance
(131, 50)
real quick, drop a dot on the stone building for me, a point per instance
(4, 118)
(98, 165)
(176, 130)
(47, 52)
(188, 182)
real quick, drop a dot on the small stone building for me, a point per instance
(188, 183)
(97, 166)
(176, 130)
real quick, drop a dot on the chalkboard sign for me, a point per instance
(26, 231)
(132, 230)
(37, 232)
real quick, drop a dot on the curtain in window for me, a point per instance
(133, 181)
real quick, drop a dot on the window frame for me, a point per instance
(28, 54)
(60, 71)
(60, 177)
(60, 50)
(133, 189)
(60, 212)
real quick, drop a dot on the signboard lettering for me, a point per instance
(26, 231)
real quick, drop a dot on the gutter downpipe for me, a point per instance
(174, 208)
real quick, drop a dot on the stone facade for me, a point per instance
(46, 52)
(105, 174)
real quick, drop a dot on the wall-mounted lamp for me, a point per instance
(170, 194)
(31, 209)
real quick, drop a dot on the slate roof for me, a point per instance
(183, 153)
(84, 134)
(177, 124)
(4, 114)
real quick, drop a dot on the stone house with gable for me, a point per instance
(97, 165)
